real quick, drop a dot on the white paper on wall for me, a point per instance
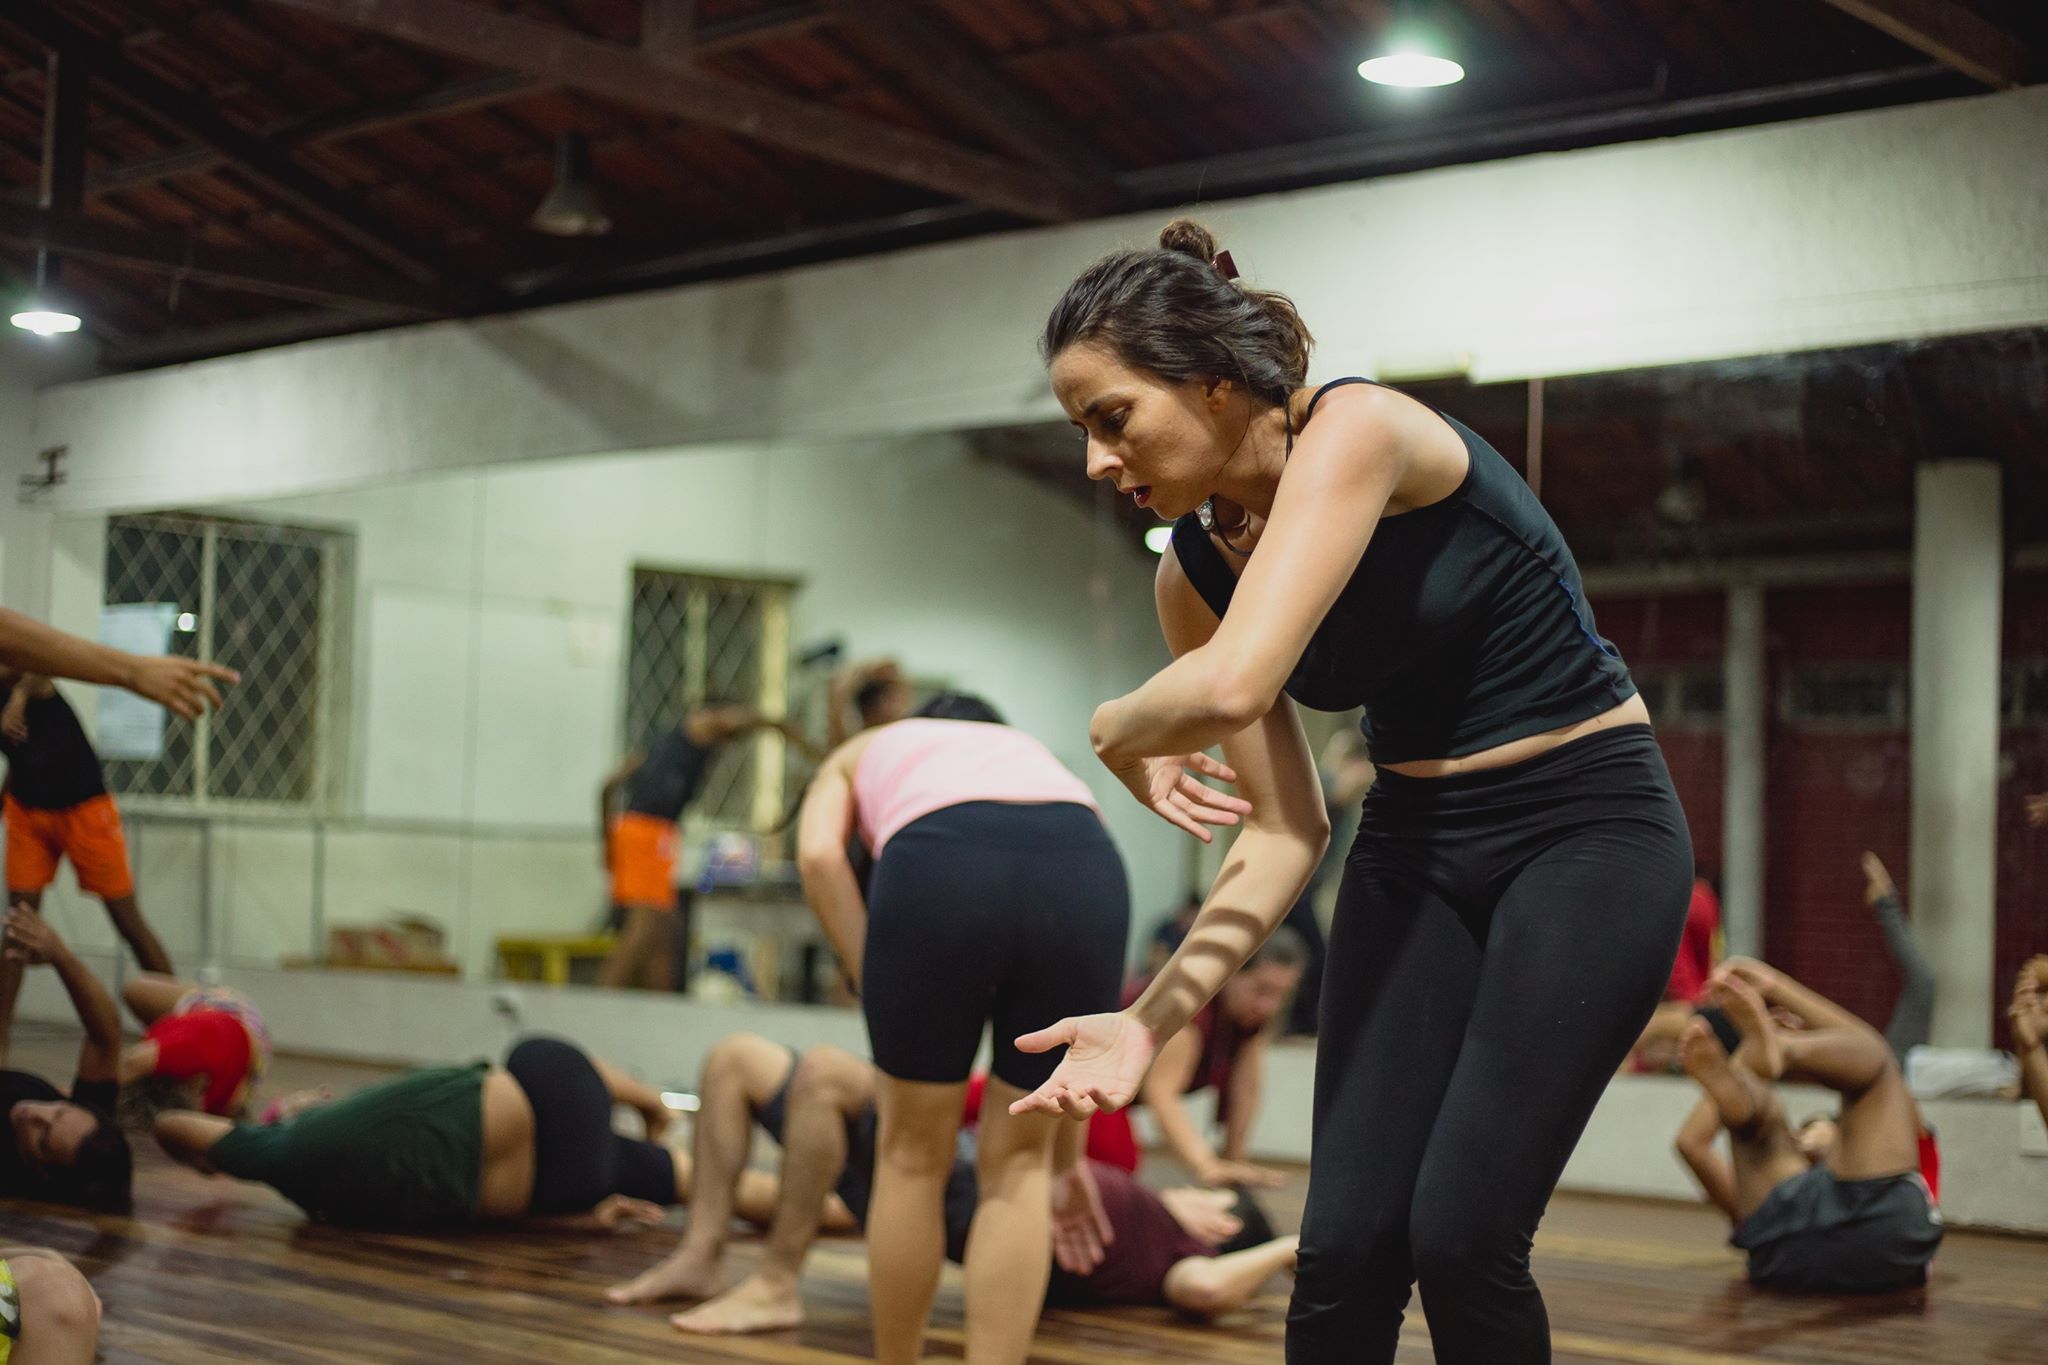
(129, 727)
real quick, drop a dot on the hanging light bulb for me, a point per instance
(572, 208)
(1412, 56)
(45, 319)
(47, 311)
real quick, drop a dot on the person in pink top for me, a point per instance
(997, 897)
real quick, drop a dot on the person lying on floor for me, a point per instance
(202, 1047)
(456, 1146)
(1850, 1211)
(48, 1313)
(63, 1146)
(820, 1107)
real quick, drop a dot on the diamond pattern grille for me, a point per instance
(262, 599)
(698, 638)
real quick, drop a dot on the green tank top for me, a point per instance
(406, 1153)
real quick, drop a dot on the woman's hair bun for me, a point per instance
(1189, 238)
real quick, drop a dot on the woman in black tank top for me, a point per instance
(1509, 913)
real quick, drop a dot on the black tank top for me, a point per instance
(1464, 626)
(668, 778)
(57, 767)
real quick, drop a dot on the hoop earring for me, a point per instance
(1205, 515)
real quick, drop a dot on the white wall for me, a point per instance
(1863, 227)
(24, 527)
(490, 641)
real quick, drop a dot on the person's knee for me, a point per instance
(830, 1076)
(1455, 1254)
(737, 1057)
(1351, 1261)
(917, 1152)
(1014, 1147)
(56, 1302)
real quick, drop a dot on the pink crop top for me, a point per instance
(914, 767)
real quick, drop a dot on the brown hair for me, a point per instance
(1170, 309)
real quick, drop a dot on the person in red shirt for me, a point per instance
(202, 1047)
(1699, 948)
(1842, 1207)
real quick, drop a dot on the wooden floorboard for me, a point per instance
(209, 1270)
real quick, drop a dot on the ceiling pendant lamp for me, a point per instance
(572, 208)
(1412, 55)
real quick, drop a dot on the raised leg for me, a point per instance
(151, 995)
(740, 1072)
(1764, 1152)
(830, 1088)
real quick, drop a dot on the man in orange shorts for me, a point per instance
(57, 807)
(643, 841)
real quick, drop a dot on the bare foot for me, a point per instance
(756, 1304)
(684, 1275)
(1706, 1061)
(1762, 1052)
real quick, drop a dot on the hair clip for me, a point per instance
(1225, 265)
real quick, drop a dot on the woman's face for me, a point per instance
(1159, 442)
(48, 1132)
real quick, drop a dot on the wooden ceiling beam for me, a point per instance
(330, 283)
(927, 51)
(198, 158)
(609, 71)
(259, 160)
(1953, 34)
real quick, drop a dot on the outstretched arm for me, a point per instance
(1284, 835)
(186, 686)
(1285, 831)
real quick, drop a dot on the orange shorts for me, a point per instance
(89, 834)
(643, 858)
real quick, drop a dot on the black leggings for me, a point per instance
(1500, 939)
(577, 1159)
(990, 911)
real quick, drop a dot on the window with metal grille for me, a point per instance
(1845, 696)
(267, 600)
(2023, 691)
(1690, 696)
(696, 638)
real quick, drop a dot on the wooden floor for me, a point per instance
(209, 1270)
